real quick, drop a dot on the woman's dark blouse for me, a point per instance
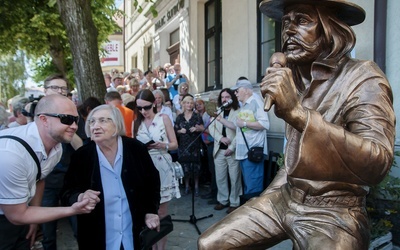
(186, 153)
(140, 179)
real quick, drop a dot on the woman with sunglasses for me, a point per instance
(188, 126)
(122, 170)
(156, 131)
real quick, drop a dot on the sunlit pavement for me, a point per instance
(184, 235)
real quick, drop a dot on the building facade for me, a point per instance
(217, 41)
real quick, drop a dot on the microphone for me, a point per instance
(277, 60)
(223, 106)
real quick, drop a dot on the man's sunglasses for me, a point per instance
(148, 107)
(64, 119)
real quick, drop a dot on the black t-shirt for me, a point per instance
(226, 114)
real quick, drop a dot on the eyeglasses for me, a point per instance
(148, 107)
(64, 119)
(101, 121)
(237, 90)
(56, 88)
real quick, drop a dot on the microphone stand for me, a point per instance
(192, 219)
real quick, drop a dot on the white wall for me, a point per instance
(140, 35)
(185, 41)
(364, 48)
(393, 57)
(196, 48)
(239, 40)
(393, 66)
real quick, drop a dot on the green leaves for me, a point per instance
(28, 25)
(51, 3)
(153, 11)
(12, 75)
(139, 8)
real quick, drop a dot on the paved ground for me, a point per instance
(184, 236)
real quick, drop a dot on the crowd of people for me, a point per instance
(148, 121)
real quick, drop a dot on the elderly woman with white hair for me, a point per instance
(122, 170)
(161, 108)
(183, 89)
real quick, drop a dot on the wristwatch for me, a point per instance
(166, 146)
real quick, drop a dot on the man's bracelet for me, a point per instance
(245, 124)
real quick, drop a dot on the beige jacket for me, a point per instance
(216, 132)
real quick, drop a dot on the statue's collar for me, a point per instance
(323, 69)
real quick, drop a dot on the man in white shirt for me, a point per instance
(117, 80)
(55, 122)
(253, 121)
(57, 85)
(174, 80)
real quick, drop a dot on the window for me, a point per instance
(269, 40)
(148, 63)
(174, 37)
(213, 46)
(174, 48)
(134, 61)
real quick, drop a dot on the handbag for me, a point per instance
(149, 237)
(179, 174)
(254, 154)
(177, 167)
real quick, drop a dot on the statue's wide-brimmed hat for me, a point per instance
(349, 13)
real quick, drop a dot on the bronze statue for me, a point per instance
(340, 131)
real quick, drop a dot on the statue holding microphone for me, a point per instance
(340, 136)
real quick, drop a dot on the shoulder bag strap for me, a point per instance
(244, 137)
(30, 150)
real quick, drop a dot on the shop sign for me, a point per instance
(112, 57)
(170, 14)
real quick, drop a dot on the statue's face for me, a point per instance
(301, 34)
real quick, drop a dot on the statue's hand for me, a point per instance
(277, 60)
(279, 85)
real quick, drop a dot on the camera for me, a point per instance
(32, 98)
(33, 101)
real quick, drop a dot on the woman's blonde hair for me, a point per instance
(187, 97)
